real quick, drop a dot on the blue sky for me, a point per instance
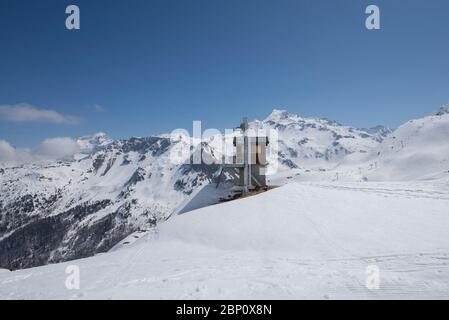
(156, 65)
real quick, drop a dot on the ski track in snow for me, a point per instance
(219, 251)
(415, 194)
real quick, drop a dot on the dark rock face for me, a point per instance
(202, 174)
(125, 161)
(31, 245)
(98, 161)
(154, 145)
(17, 213)
(109, 166)
(44, 240)
(138, 175)
(287, 162)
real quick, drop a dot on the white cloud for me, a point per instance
(57, 148)
(29, 113)
(11, 155)
(50, 149)
(7, 152)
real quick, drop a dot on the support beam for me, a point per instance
(245, 164)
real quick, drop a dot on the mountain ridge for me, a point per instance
(112, 188)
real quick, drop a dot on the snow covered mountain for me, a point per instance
(62, 210)
(314, 142)
(417, 150)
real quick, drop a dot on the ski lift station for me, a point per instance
(245, 171)
(250, 160)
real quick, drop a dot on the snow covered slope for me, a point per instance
(302, 240)
(417, 150)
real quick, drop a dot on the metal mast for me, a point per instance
(246, 166)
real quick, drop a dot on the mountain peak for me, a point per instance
(277, 114)
(443, 110)
(93, 141)
(97, 135)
